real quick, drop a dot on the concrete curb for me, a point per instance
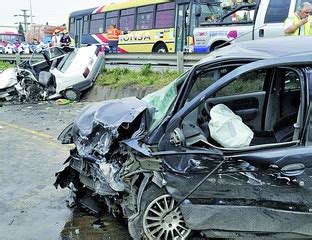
(101, 93)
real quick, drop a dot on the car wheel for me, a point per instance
(72, 94)
(156, 219)
(160, 48)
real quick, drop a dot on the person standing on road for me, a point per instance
(299, 23)
(65, 39)
(113, 36)
(53, 40)
(56, 39)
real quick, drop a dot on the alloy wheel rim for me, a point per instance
(160, 222)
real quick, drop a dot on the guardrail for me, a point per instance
(15, 57)
(179, 60)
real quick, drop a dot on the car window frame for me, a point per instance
(190, 81)
(155, 136)
(177, 119)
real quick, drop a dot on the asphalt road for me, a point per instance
(30, 206)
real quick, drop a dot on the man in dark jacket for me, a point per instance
(65, 39)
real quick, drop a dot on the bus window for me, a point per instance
(127, 19)
(145, 17)
(151, 19)
(85, 29)
(72, 26)
(111, 18)
(165, 15)
(97, 23)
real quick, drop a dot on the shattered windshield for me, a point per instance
(162, 100)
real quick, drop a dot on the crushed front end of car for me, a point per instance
(97, 165)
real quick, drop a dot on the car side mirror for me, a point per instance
(177, 138)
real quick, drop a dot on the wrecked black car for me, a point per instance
(224, 150)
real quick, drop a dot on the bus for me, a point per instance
(157, 26)
(9, 36)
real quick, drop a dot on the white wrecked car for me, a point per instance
(54, 73)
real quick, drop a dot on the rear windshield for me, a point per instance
(66, 61)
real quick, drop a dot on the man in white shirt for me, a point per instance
(56, 39)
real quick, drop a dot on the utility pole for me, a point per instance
(25, 17)
(31, 16)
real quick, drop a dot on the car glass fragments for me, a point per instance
(163, 99)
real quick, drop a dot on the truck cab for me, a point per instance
(261, 19)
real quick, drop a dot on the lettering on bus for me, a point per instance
(145, 36)
(219, 34)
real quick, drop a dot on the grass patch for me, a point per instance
(5, 65)
(123, 77)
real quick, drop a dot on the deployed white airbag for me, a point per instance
(228, 129)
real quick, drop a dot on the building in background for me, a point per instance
(42, 33)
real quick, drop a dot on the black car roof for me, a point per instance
(265, 48)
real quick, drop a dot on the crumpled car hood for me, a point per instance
(110, 114)
(98, 125)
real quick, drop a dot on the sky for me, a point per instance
(55, 12)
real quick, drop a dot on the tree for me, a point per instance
(21, 32)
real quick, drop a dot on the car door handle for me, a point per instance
(261, 32)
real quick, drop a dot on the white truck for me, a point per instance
(264, 19)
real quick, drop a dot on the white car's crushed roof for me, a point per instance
(264, 48)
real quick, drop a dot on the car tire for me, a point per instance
(149, 225)
(72, 94)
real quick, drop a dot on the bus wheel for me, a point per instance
(160, 48)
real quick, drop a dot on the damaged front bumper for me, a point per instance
(100, 177)
(98, 160)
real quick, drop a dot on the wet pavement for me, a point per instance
(30, 206)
